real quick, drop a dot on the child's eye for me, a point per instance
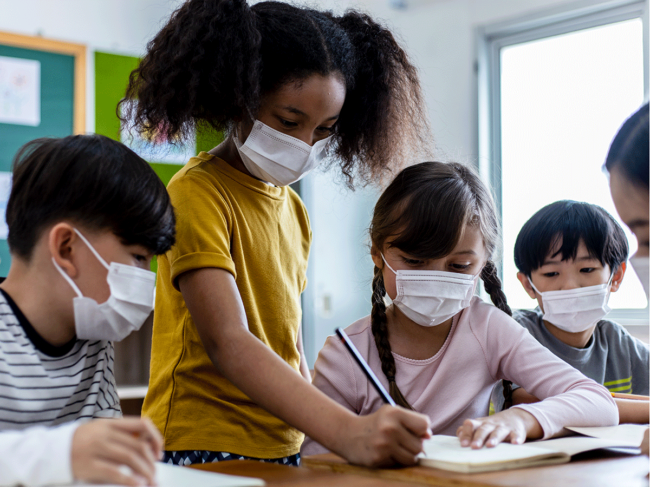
(326, 129)
(412, 262)
(551, 274)
(587, 270)
(140, 258)
(460, 267)
(288, 123)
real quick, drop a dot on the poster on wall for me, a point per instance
(153, 146)
(20, 91)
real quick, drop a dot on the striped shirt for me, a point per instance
(43, 385)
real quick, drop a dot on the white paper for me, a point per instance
(5, 190)
(20, 91)
(626, 434)
(154, 147)
(447, 449)
(175, 476)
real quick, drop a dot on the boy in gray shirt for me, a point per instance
(570, 256)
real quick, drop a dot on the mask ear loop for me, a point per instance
(533, 285)
(67, 278)
(387, 264)
(99, 257)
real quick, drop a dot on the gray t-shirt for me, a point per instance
(612, 356)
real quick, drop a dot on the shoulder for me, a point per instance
(360, 334)
(614, 333)
(528, 318)
(489, 324)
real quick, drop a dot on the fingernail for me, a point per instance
(464, 442)
(429, 432)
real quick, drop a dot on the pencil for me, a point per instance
(619, 395)
(365, 367)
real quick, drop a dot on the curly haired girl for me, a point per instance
(440, 348)
(288, 86)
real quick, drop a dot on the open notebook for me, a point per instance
(445, 452)
(174, 476)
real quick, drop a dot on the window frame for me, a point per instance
(492, 38)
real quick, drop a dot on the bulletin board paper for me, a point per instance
(5, 190)
(20, 91)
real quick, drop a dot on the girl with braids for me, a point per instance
(287, 85)
(437, 348)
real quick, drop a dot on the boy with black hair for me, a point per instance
(85, 217)
(570, 256)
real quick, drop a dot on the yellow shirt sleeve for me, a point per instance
(203, 227)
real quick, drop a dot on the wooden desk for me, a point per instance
(595, 469)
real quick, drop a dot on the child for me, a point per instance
(570, 256)
(85, 216)
(288, 85)
(438, 348)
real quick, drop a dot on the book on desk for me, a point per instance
(445, 452)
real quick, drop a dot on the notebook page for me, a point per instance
(627, 434)
(572, 445)
(447, 449)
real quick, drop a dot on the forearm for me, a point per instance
(276, 387)
(633, 411)
(36, 456)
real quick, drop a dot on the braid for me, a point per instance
(492, 285)
(380, 332)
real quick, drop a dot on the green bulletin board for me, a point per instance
(61, 105)
(111, 79)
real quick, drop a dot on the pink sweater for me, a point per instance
(484, 345)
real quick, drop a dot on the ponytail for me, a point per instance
(203, 65)
(383, 119)
(380, 332)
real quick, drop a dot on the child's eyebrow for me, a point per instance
(467, 252)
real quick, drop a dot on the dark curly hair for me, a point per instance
(214, 60)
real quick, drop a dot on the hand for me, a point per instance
(101, 448)
(514, 424)
(390, 435)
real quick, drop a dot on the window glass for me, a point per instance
(563, 99)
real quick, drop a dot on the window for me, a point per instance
(553, 91)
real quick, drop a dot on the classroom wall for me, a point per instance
(438, 34)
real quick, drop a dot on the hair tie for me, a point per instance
(391, 378)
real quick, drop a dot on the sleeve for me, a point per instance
(203, 227)
(37, 456)
(638, 352)
(334, 376)
(568, 397)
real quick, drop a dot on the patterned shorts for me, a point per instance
(188, 457)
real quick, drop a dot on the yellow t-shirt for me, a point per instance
(261, 234)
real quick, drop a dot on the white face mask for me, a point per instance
(127, 308)
(278, 158)
(641, 269)
(430, 298)
(575, 310)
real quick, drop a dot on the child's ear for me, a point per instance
(61, 237)
(618, 277)
(376, 257)
(523, 279)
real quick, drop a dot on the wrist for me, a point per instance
(532, 427)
